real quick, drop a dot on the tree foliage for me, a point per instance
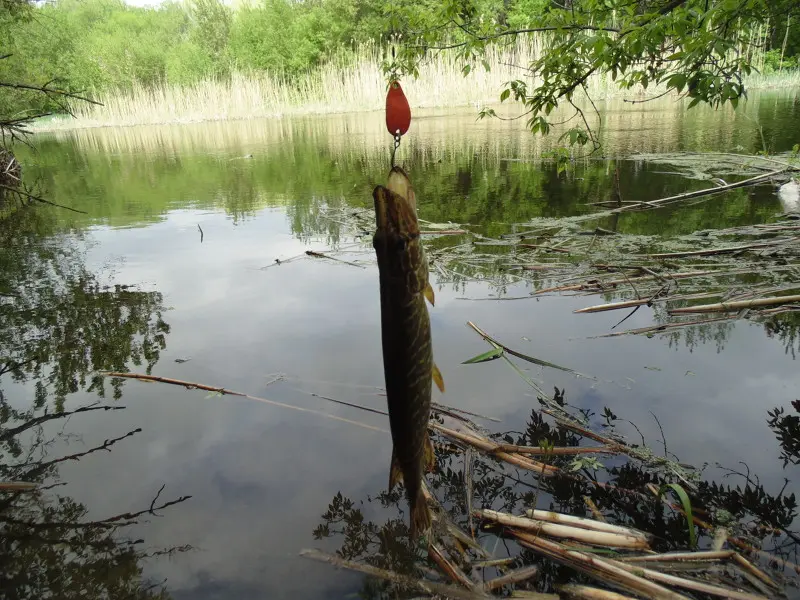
(698, 48)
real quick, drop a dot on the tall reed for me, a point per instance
(350, 83)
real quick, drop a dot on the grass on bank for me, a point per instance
(353, 83)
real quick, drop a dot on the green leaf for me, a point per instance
(492, 354)
(504, 95)
(466, 69)
(687, 508)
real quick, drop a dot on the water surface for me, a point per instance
(261, 476)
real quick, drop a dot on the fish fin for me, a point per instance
(420, 515)
(430, 455)
(437, 378)
(395, 472)
(428, 291)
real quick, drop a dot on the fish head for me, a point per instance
(397, 241)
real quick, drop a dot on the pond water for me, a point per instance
(184, 216)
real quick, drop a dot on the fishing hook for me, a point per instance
(397, 138)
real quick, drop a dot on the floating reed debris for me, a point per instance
(563, 530)
(736, 305)
(615, 555)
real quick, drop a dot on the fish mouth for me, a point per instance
(396, 206)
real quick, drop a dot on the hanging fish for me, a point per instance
(408, 367)
(398, 112)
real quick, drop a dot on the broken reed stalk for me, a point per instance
(595, 567)
(492, 448)
(586, 592)
(736, 305)
(516, 576)
(554, 517)
(587, 536)
(226, 392)
(426, 587)
(701, 193)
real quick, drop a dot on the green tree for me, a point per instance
(698, 48)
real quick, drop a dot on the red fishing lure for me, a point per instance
(398, 112)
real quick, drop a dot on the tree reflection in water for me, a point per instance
(58, 325)
(746, 509)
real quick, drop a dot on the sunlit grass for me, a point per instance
(352, 83)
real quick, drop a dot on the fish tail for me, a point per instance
(420, 515)
(395, 472)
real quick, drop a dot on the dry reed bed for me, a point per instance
(348, 84)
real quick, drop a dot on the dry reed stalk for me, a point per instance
(753, 570)
(613, 306)
(587, 536)
(491, 448)
(558, 451)
(495, 562)
(736, 305)
(664, 327)
(679, 556)
(199, 386)
(516, 576)
(586, 592)
(597, 568)
(554, 517)
(688, 584)
(427, 587)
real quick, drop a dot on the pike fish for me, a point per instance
(406, 339)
